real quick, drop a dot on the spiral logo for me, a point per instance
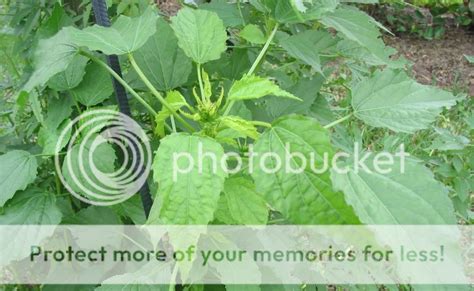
(107, 160)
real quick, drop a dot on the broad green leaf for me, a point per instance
(448, 141)
(222, 213)
(241, 126)
(58, 110)
(321, 110)
(187, 197)
(35, 104)
(90, 124)
(57, 118)
(162, 61)
(293, 188)
(85, 167)
(94, 215)
(254, 87)
(132, 208)
(18, 169)
(307, 89)
(201, 34)
(246, 206)
(131, 7)
(409, 194)
(71, 77)
(294, 11)
(301, 47)
(393, 100)
(241, 110)
(95, 88)
(176, 101)
(232, 66)
(52, 56)
(354, 25)
(377, 55)
(31, 207)
(126, 35)
(48, 138)
(322, 40)
(227, 11)
(58, 19)
(253, 34)
(470, 59)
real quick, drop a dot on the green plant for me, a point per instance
(231, 76)
(426, 19)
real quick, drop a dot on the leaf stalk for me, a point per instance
(201, 86)
(256, 63)
(157, 94)
(332, 124)
(120, 80)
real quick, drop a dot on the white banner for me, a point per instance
(236, 254)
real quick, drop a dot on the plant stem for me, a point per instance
(172, 286)
(240, 12)
(201, 86)
(332, 124)
(275, 221)
(71, 95)
(256, 63)
(263, 51)
(120, 80)
(49, 155)
(261, 123)
(173, 124)
(58, 183)
(157, 94)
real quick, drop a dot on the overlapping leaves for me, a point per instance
(302, 195)
(126, 35)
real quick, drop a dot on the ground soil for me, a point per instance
(168, 7)
(439, 62)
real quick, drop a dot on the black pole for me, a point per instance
(102, 19)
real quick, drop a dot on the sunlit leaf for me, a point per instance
(201, 34)
(19, 168)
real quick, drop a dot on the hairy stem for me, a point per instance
(240, 12)
(157, 94)
(332, 124)
(57, 182)
(201, 86)
(263, 51)
(173, 124)
(121, 81)
(172, 286)
(261, 123)
(256, 63)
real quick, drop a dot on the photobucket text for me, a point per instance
(288, 161)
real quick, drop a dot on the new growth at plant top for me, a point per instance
(314, 76)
